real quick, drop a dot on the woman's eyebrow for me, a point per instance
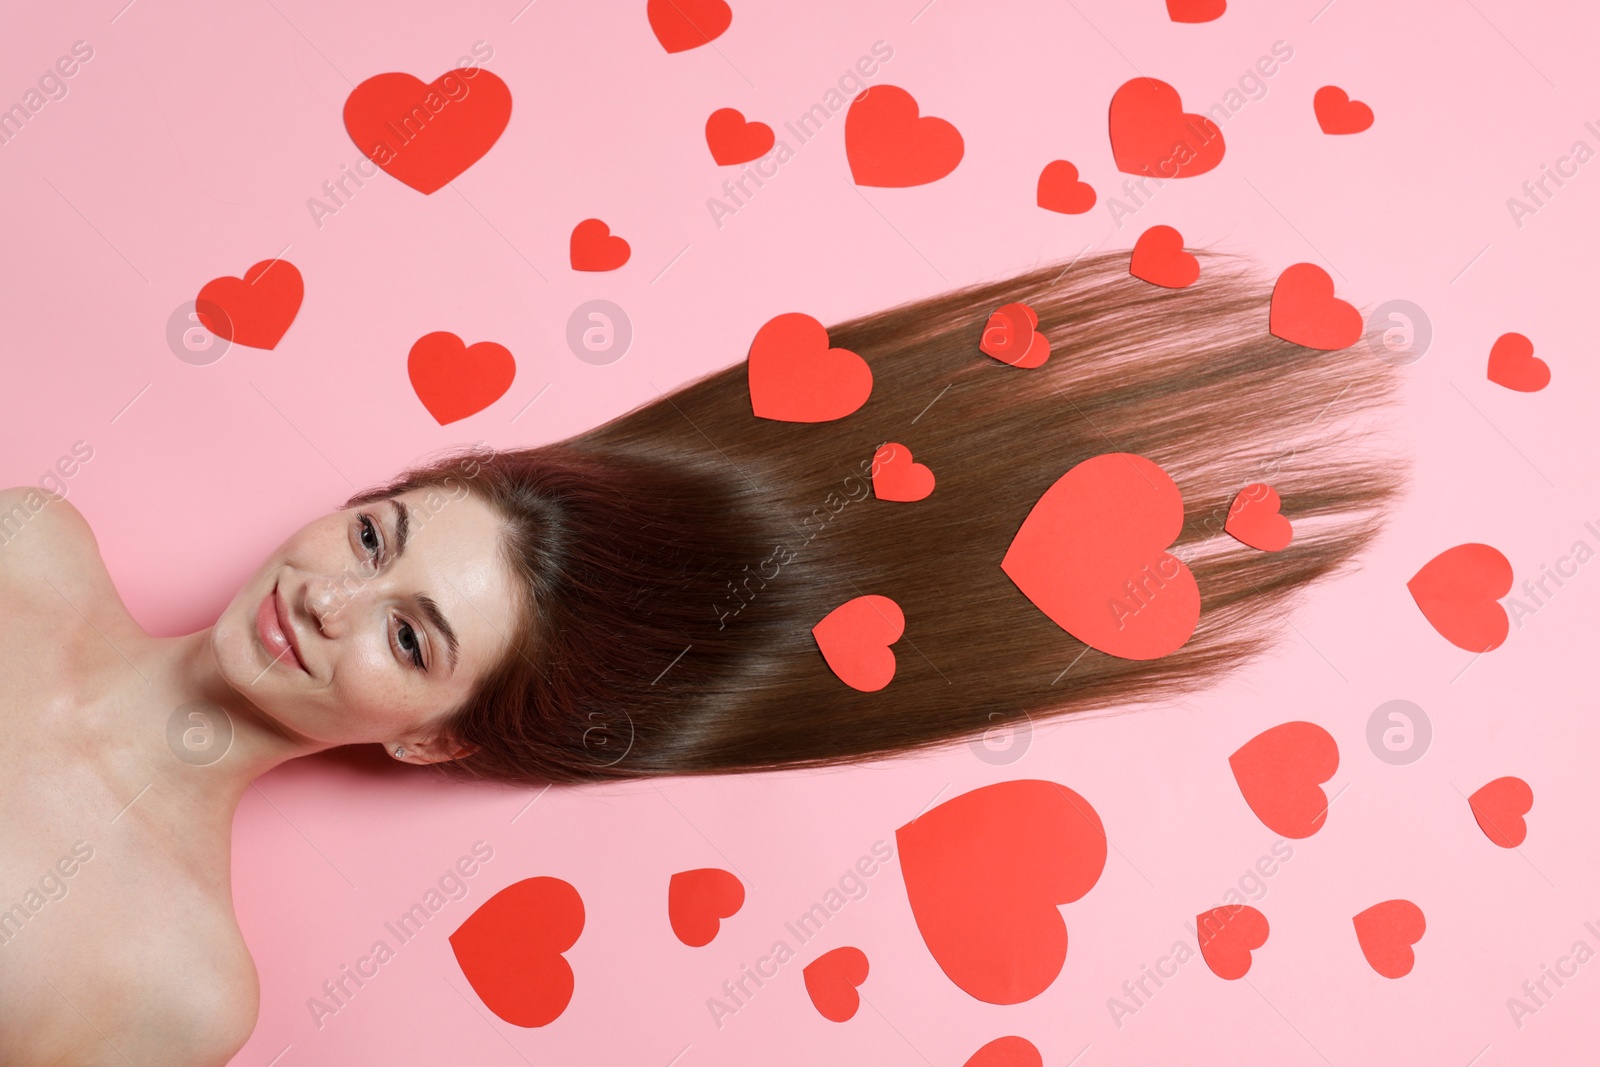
(402, 532)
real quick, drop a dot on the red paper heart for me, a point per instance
(896, 477)
(1195, 10)
(855, 638)
(986, 873)
(454, 381)
(1499, 808)
(255, 310)
(831, 981)
(1060, 190)
(733, 140)
(511, 949)
(1253, 518)
(1228, 935)
(683, 24)
(1280, 773)
(1092, 556)
(417, 133)
(698, 901)
(1513, 364)
(887, 144)
(1337, 113)
(1152, 134)
(1305, 311)
(594, 248)
(795, 377)
(1010, 337)
(1158, 258)
(1007, 1052)
(1386, 932)
(1457, 592)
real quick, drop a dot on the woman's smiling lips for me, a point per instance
(276, 631)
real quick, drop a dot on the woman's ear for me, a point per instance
(438, 749)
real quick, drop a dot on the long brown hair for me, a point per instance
(678, 556)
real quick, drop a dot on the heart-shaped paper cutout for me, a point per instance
(255, 310)
(795, 377)
(1195, 10)
(1152, 134)
(426, 134)
(1499, 808)
(1158, 258)
(1280, 773)
(684, 24)
(1227, 937)
(855, 638)
(1010, 337)
(732, 140)
(453, 380)
(1010, 1051)
(1458, 590)
(698, 901)
(888, 144)
(896, 477)
(594, 247)
(1092, 555)
(1386, 932)
(831, 980)
(511, 949)
(1060, 190)
(1254, 519)
(1513, 364)
(1337, 113)
(1305, 311)
(986, 873)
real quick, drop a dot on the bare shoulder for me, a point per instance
(200, 997)
(43, 537)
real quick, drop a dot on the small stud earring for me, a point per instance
(399, 750)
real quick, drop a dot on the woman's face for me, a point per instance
(374, 623)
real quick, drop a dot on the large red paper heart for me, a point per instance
(1337, 113)
(986, 873)
(594, 247)
(1280, 772)
(1158, 258)
(1457, 592)
(1060, 190)
(1386, 933)
(887, 144)
(683, 24)
(796, 377)
(698, 901)
(1227, 937)
(511, 949)
(855, 638)
(1253, 519)
(1008, 1051)
(831, 980)
(733, 140)
(1305, 311)
(1195, 10)
(454, 381)
(896, 477)
(1152, 134)
(1010, 337)
(426, 134)
(255, 310)
(1499, 808)
(1513, 364)
(1092, 556)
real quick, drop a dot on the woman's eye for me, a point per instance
(409, 644)
(369, 535)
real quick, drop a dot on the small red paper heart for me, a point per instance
(255, 310)
(1158, 258)
(795, 377)
(511, 948)
(1386, 932)
(1195, 10)
(698, 901)
(1337, 113)
(831, 981)
(1227, 937)
(733, 140)
(453, 380)
(1513, 364)
(594, 248)
(1280, 773)
(896, 477)
(426, 134)
(1305, 311)
(855, 638)
(1152, 134)
(1253, 518)
(1010, 337)
(1499, 808)
(1457, 592)
(986, 873)
(684, 24)
(1009, 1051)
(1060, 190)
(887, 144)
(1092, 556)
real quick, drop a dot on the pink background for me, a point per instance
(187, 148)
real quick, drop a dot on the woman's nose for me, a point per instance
(327, 598)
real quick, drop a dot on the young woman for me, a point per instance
(634, 601)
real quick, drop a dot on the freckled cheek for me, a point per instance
(370, 685)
